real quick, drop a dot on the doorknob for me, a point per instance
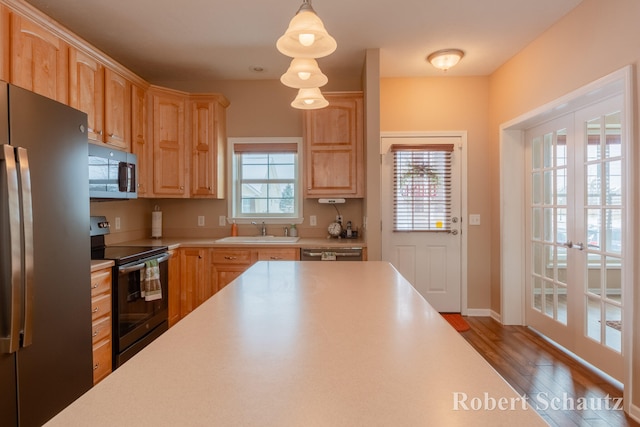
(454, 232)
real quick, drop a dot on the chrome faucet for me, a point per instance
(263, 227)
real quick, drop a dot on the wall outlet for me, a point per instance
(313, 220)
(222, 220)
(200, 220)
(474, 219)
(117, 223)
(339, 218)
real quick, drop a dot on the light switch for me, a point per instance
(313, 220)
(201, 221)
(474, 219)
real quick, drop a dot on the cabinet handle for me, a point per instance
(95, 334)
(99, 133)
(230, 257)
(95, 367)
(276, 257)
(95, 286)
(111, 135)
(95, 310)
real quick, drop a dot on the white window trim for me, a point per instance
(232, 184)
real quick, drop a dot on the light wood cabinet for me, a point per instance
(195, 283)
(5, 43)
(169, 177)
(101, 323)
(174, 287)
(117, 110)
(86, 90)
(140, 144)
(334, 147)
(208, 145)
(39, 59)
(278, 254)
(229, 263)
(104, 95)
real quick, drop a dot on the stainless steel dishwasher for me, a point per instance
(331, 254)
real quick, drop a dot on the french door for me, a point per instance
(575, 232)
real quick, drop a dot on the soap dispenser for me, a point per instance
(293, 231)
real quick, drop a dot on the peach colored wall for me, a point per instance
(593, 40)
(452, 104)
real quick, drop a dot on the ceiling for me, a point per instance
(169, 40)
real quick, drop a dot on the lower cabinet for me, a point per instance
(101, 323)
(204, 271)
(174, 287)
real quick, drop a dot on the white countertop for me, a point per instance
(304, 344)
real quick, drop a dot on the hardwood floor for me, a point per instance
(551, 379)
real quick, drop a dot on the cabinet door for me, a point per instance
(195, 285)
(168, 146)
(39, 60)
(334, 148)
(209, 146)
(117, 110)
(86, 90)
(203, 161)
(140, 145)
(174, 288)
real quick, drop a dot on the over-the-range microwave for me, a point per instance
(112, 173)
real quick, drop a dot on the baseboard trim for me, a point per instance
(477, 312)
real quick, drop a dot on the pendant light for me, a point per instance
(304, 73)
(309, 99)
(306, 36)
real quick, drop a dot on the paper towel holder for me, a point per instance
(156, 223)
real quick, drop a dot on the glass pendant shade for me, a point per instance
(306, 36)
(304, 73)
(445, 59)
(309, 99)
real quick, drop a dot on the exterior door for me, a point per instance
(421, 221)
(575, 223)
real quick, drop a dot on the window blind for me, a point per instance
(422, 187)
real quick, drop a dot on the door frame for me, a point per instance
(463, 198)
(513, 203)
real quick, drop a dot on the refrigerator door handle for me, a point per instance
(11, 282)
(27, 230)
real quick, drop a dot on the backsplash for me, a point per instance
(180, 218)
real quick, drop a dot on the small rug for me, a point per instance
(615, 324)
(457, 321)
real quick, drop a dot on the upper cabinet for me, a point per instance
(169, 178)
(117, 110)
(104, 95)
(39, 59)
(334, 147)
(208, 145)
(140, 144)
(86, 93)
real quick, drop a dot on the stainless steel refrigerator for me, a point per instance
(45, 299)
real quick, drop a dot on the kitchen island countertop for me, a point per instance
(306, 344)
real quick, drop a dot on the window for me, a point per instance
(266, 179)
(422, 187)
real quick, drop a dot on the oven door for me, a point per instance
(134, 316)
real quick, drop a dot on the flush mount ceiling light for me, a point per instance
(306, 36)
(304, 73)
(309, 99)
(445, 58)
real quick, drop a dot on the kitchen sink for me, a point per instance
(258, 239)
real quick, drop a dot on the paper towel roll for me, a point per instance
(156, 224)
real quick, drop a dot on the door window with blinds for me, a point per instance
(422, 187)
(266, 178)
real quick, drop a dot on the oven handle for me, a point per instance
(126, 269)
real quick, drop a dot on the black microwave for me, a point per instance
(112, 173)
